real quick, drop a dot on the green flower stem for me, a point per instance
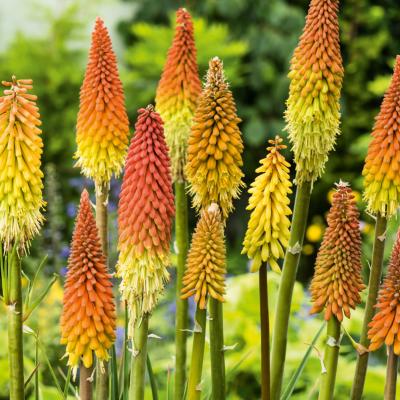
(102, 374)
(217, 350)
(181, 321)
(139, 359)
(14, 316)
(288, 278)
(330, 360)
(85, 384)
(264, 319)
(196, 365)
(373, 287)
(391, 375)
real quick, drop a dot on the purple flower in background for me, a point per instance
(71, 210)
(63, 271)
(64, 253)
(119, 343)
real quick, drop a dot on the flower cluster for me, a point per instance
(21, 148)
(337, 280)
(88, 318)
(215, 145)
(205, 273)
(178, 92)
(316, 74)
(268, 230)
(145, 212)
(103, 126)
(382, 164)
(384, 327)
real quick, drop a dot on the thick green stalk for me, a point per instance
(264, 319)
(85, 384)
(102, 374)
(217, 350)
(373, 288)
(330, 360)
(181, 318)
(139, 358)
(288, 278)
(391, 375)
(14, 316)
(196, 365)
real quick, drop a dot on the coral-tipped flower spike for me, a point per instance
(88, 317)
(385, 326)
(145, 212)
(20, 157)
(103, 126)
(382, 164)
(268, 230)
(215, 145)
(205, 273)
(337, 280)
(178, 92)
(316, 74)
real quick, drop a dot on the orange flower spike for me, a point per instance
(337, 280)
(145, 213)
(103, 126)
(88, 318)
(385, 326)
(316, 75)
(215, 145)
(178, 92)
(206, 262)
(382, 164)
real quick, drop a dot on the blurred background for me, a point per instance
(48, 41)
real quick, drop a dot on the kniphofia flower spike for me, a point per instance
(145, 212)
(88, 317)
(268, 230)
(178, 92)
(103, 126)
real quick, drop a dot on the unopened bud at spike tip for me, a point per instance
(337, 280)
(268, 232)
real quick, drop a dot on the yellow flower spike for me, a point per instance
(20, 156)
(178, 92)
(316, 74)
(268, 229)
(205, 273)
(381, 184)
(215, 145)
(103, 128)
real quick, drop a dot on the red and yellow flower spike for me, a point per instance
(316, 75)
(385, 326)
(215, 145)
(88, 318)
(178, 92)
(337, 280)
(103, 126)
(145, 213)
(21, 148)
(268, 230)
(382, 164)
(206, 264)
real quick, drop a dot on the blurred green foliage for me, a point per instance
(255, 39)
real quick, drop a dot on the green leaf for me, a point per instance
(293, 380)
